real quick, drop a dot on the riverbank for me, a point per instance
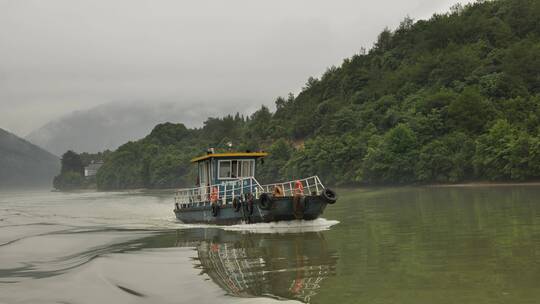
(350, 187)
(486, 184)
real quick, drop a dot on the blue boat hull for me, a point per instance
(282, 209)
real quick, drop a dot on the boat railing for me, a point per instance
(227, 191)
(310, 186)
(223, 193)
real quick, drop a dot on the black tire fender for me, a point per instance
(265, 201)
(329, 196)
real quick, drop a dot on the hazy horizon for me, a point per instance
(61, 56)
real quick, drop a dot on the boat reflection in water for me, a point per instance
(281, 266)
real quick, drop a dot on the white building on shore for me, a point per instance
(92, 168)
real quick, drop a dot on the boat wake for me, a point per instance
(24, 217)
(295, 226)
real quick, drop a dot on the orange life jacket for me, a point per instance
(214, 195)
(298, 188)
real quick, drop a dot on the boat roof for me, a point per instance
(229, 154)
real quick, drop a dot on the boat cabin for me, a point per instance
(219, 168)
(224, 177)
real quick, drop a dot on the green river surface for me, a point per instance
(470, 244)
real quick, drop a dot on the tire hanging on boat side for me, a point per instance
(329, 196)
(265, 201)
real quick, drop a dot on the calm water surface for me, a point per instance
(391, 245)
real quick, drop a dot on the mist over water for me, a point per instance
(396, 245)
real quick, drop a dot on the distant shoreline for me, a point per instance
(485, 184)
(478, 184)
(460, 185)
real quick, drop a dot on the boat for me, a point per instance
(228, 193)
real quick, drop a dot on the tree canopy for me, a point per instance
(72, 170)
(450, 99)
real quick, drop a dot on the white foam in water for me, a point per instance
(295, 226)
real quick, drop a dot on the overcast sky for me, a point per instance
(59, 56)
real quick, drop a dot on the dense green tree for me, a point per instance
(449, 99)
(169, 133)
(506, 153)
(271, 168)
(72, 172)
(68, 180)
(447, 159)
(72, 162)
(470, 111)
(391, 158)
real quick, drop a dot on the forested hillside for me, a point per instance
(23, 164)
(449, 99)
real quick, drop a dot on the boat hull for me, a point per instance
(282, 209)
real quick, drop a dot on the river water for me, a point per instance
(388, 245)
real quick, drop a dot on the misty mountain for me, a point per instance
(25, 164)
(109, 125)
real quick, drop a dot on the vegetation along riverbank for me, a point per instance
(447, 100)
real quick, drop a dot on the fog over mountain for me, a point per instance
(61, 56)
(24, 164)
(109, 125)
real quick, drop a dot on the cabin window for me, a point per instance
(236, 168)
(224, 169)
(247, 168)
